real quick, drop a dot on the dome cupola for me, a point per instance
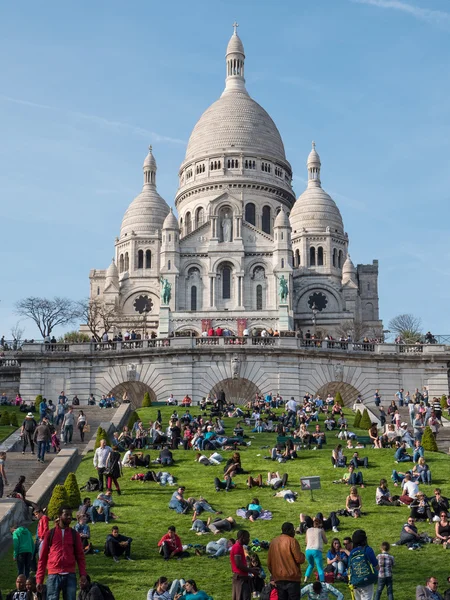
(170, 222)
(235, 59)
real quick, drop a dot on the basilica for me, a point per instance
(239, 251)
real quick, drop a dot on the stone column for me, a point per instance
(212, 291)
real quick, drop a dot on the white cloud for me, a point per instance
(100, 121)
(436, 17)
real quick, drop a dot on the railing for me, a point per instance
(207, 341)
(364, 347)
(104, 346)
(57, 347)
(8, 362)
(11, 344)
(407, 349)
(264, 341)
(233, 340)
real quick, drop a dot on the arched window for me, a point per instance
(188, 223)
(312, 257)
(250, 213)
(127, 261)
(121, 264)
(140, 259)
(335, 258)
(340, 262)
(226, 283)
(259, 297)
(148, 259)
(194, 297)
(297, 258)
(199, 217)
(265, 225)
(320, 256)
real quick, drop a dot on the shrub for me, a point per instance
(101, 435)
(73, 491)
(146, 402)
(444, 402)
(38, 401)
(58, 499)
(429, 441)
(338, 399)
(357, 420)
(13, 420)
(4, 419)
(132, 420)
(366, 421)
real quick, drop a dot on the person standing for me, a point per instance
(283, 561)
(42, 436)
(362, 567)
(27, 432)
(386, 563)
(241, 589)
(3, 478)
(23, 548)
(315, 539)
(61, 553)
(43, 409)
(113, 469)
(100, 459)
(81, 424)
(68, 425)
(60, 412)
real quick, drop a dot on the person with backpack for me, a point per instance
(27, 432)
(23, 548)
(320, 590)
(94, 591)
(61, 553)
(362, 567)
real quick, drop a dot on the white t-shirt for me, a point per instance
(291, 405)
(126, 459)
(412, 488)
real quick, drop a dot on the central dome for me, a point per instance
(235, 121)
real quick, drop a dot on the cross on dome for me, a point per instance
(235, 25)
(150, 148)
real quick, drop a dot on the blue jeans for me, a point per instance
(177, 506)
(166, 478)
(417, 454)
(41, 450)
(67, 584)
(382, 582)
(99, 518)
(425, 477)
(201, 506)
(314, 557)
(23, 561)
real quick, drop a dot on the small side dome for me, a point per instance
(235, 45)
(348, 266)
(170, 222)
(112, 271)
(282, 220)
(149, 159)
(313, 157)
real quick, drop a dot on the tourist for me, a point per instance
(442, 530)
(233, 466)
(23, 549)
(42, 436)
(420, 508)
(362, 567)
(19, 491)
(428, 591)
(257, 580)
(90, 591)
(60, 412)
(253, 510)
(353, 503)
(113, 470)
(3, 478)
(32, 589)
(423, 471)
(27, 432)
(337, 457)
(315, 539)
(241, 589)
(81, 424)
(222, 525)
(359, 462)
(276, 481)
(374, 437)
(386, 563)
(219, 548)
(191, 592)
(401, 454)
(409, 534)
(102, 507)
(337, 559)
(331, 523)
(170, 545)
(118, 544)
(439, 503)
(160, 590)
(61, 552)
(320, 591)
(20, 593)
(68, 425)
(383, 496)
(42, 528)
(410, 489)
(85, 533)
(42, 409)
(178, 502)
(353, 477)
(100, 459)
(418, 451)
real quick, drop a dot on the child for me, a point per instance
(55, 442)
(385, 565)
(85, 533)
(256, 581)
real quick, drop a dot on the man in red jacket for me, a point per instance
(61, 552)
(170, 545)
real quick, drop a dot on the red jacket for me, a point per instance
(62, 556)
(42, 527)
(174, 543)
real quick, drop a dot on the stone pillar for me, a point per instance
(238, 227)
(285, 319)
(212, 291)
(164, 321)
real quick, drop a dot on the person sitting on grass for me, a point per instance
(170, 545)
(226, 484)
(101, 509)
(233, 466)
(374, 437)
(254, 509)
(442, 530)
(337, 457)
(336, 559)
(330, 523)
(178, 502)
(439, 504)
(420, 508)
(118, 544)
(317, 438)
(423, 471)
(353, 503)
(191, 592)
(85, 533)
(410, 489)
(383, 496)
(89, 590)
(418, 450)
(401, 454)
(353, 477)
(160, 590)
(276, 481)
(359, 462)
(409, 534)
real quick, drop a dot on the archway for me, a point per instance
(135, 391)
(238, 391)
(347, 391)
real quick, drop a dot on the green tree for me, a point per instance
(146, 402)
(357, 420)
(38, 401)
(13, 420)
(443, 402)
(132, 420)
(366, 421)
(4, 418)
(73, 491)
(101, 435)
(74, 337)
(338, 398)
(59, 498)
(429, 441)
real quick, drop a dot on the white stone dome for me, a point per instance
(348, 267)
(170, 222)
(235, 45)
(282, 220)
(112, 271)
(315, 210)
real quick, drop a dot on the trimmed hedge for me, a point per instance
(73, 491)
(38, 401)
(5, 418)
(429, 441)
(13, 420)
(132, 420)
(338, 399)
(101, 435)
(357, 419)
(146, 402)
(59, 498)
(444, 402)
(366, 421)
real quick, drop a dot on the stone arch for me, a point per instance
(348, 392)
(238, 391)
(226, 200)
(135, 391)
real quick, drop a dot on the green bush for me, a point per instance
(146, 402)
(101, 435)
(59, 498)
(38, 401)
(73, 491)
(429, 441)
(444, 402)
(338, 399)
(13, 420)
(366, 421)
(357, 420)
(5, 418)
(132, 420)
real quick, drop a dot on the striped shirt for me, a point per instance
(385, 563)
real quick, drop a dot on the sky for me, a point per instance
(85, 87)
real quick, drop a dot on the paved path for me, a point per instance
(18, 464)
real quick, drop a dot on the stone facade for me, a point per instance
(239, 230)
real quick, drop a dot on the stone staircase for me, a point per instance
(18, 464)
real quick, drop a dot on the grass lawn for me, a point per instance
(7, 430)
(144, 515)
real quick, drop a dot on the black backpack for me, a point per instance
(265, 592)
(92, 485)
(105, 591)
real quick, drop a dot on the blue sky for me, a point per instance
(86, 86)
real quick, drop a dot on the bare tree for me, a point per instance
(357, 329)
(47, 313)
(407, 326)
(17, 333)
(99, 317)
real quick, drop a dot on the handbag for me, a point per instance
(87, 428)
